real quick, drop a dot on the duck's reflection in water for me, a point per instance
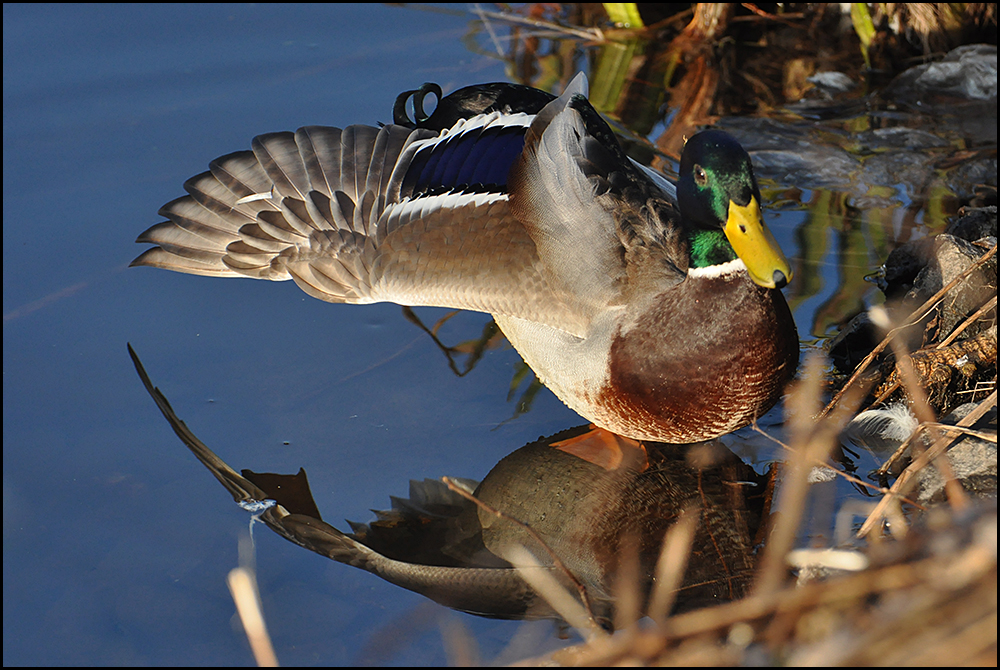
(592, 517)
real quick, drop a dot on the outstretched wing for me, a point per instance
(342, 214)
(414, 216)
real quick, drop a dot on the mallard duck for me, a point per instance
(652, 310)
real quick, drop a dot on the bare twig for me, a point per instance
(920, 406)
(788, 19)
(914, 317)
(244, 591)
(544, 584)
(594, 34)
(971, 319)
(988, 305)
(672, 563)
(581, 589)
(480, 12)
(839, 473)
(811, 441)
(939, 446)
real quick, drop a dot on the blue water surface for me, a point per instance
(117, 541)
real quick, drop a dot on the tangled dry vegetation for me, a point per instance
(920, 585)
(923, 595)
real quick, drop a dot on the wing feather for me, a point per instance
(322, 207)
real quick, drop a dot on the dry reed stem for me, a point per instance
(977, 413)
(968, 321)
(719, 635)
(697, 637)
(891, 497)
(902, 482)
(244, 590)
(581, 589)
(591, 34)
(920, 406)
(826, 466)
(546, 586)
(672, 563)
(849, 408)
(628, 600)
(988, 435)
(808, 445)
(961, 427)
(928, 421)
(459, 645)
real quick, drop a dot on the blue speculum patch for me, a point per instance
(475, 161)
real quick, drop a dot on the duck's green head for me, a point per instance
(720, 204)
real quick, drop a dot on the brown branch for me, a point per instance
(840, 473)
(902, 481)
(788, 19)
(988, 305)
(812, 441)
(535, 536)
(914, 317)
(921, 407)
(594, 34)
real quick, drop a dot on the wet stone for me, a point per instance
(911, 169)
(968, 72)
(832, 82)
(963, 179)
(946, 257)
(816, 166)
(760, 133)
(899, 137)
(975, 223)
(973, 460)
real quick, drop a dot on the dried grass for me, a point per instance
(924, 594)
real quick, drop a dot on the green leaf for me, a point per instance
(624, 14)
(863, 26)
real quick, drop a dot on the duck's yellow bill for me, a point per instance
(756, 246)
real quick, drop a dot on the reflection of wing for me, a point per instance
(497, 592)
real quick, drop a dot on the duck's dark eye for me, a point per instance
(700, 177)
